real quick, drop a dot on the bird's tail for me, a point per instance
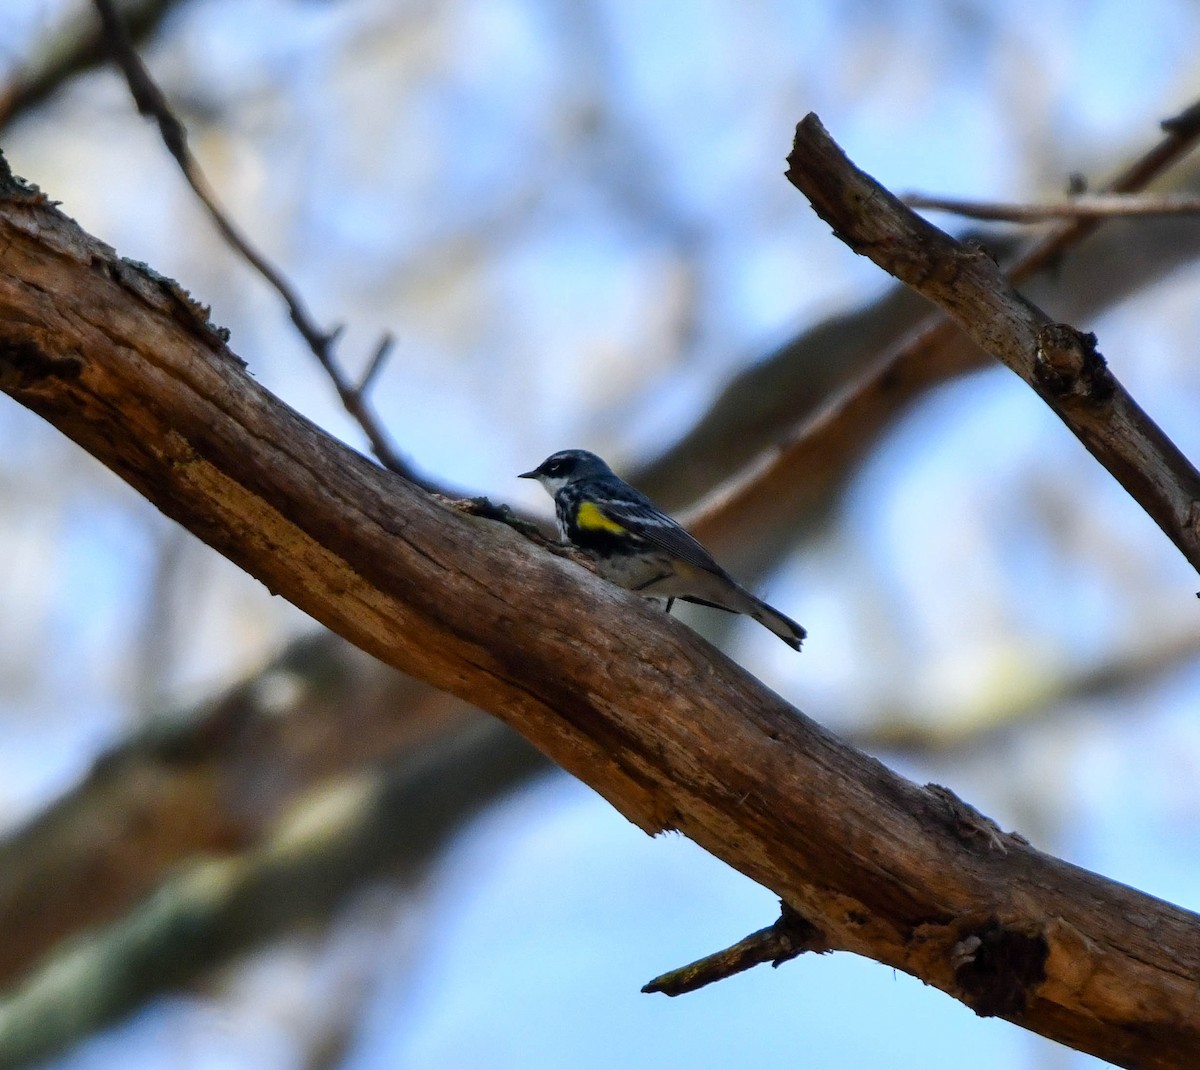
(737, 599)
(784, 627)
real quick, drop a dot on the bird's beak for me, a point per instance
(529, 475)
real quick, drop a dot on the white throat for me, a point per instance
(553, 484)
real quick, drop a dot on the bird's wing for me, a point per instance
(641, 518)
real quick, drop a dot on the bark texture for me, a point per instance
(666, 728)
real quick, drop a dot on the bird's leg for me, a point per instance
(670, 603)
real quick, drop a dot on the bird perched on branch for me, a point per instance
(637, 546)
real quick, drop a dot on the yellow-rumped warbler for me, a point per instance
(637, 546)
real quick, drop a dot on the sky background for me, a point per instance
(573, 218)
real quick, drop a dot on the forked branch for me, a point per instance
(1061, 364)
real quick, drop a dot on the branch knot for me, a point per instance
(1066, 364)
(997, 967)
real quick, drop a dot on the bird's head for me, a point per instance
(567, 466)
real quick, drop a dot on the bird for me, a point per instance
(637, 546)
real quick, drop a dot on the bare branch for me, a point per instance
(788, 937)
(791, 480)
(1062, 365)
(784, 378)
(1083, 206)
(667, 729)
(871, 363)
(152, 103)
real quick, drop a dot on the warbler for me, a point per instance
(637, 546)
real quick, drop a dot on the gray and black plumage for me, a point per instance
(638, 547)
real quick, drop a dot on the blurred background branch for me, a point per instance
(1081, 206)
(153, 104)
(209, 781)
(328, 842)
(75, 46)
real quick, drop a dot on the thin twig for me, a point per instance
(1084, 206)
(1182, 132)
(1060, 364)
(153, 104)
(382, 351)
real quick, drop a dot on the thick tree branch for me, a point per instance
(136, 793)
(634, 703)
(1061, 364)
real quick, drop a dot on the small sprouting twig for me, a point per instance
(790, 936)
(1083, 206)
(382, 351)
(152, 103)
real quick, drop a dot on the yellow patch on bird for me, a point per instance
(590, 518)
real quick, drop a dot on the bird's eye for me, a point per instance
(554, 469)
